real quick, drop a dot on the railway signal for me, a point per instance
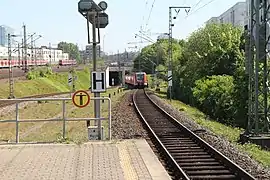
(94, 14)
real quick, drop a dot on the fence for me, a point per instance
(64, 119)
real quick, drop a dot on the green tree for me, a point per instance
(210, 74)
(71, 49)
(212, 50)
(158, 53)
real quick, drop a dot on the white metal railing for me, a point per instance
(64, 119)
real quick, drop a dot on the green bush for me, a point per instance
(86, 69)
(215, 97)
(39, 72)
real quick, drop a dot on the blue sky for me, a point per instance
(59, 20)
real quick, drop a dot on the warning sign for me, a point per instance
(81, 98)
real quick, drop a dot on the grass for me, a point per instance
(230, 133)
(76, 132)
(57, 82)
(52, 131)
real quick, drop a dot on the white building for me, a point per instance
(236, 15)
(213, 20)
(43, 53)
(52, 55)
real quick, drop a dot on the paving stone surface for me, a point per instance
(94, 160)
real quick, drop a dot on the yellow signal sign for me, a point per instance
(81, 98)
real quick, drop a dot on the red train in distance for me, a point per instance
(136, 80)
(67, 62)
(15, 63)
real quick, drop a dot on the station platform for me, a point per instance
(114, 160)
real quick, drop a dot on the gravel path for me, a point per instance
(125, 121)
(224, 146)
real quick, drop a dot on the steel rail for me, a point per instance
(206, 147)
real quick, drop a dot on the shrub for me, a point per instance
(39, 72)
(214, 94)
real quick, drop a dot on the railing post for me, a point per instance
(17, 122)
(110, 119)
(64, 118)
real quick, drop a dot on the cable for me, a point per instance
(200, 8)
(146, 3)
(197, 3)
(150, 13)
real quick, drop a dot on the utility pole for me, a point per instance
(97, 104)
(11, 83)
(35, 53)
(25, 48)
(19, 55)
(50, 56)
(54, 54)
(119, 66)
(157, 72)
(153, 75)
(22, 63)
(97, 94)
(177, 10)
(32, 49)
(104, 46)
(258, 106)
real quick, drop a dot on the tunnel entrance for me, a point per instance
(114, 75)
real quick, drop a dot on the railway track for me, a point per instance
(4, 73)
(187, 156)
(7, 103)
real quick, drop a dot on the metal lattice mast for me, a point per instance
(22, 61)
(25, 48)
(258, 120)
(11, 88)
(32, 49)
(177, 10)
(170, 51)
(19, 55)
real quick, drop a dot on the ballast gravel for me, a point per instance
(222, 145)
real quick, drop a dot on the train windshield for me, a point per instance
(140, 77)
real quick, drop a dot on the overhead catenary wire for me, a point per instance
(143, 18)
(197, 4)
(150, 13)
(206, 4)
(196, 10)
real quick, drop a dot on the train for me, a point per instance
(16, 63)
(67, 62)
(137, 80)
